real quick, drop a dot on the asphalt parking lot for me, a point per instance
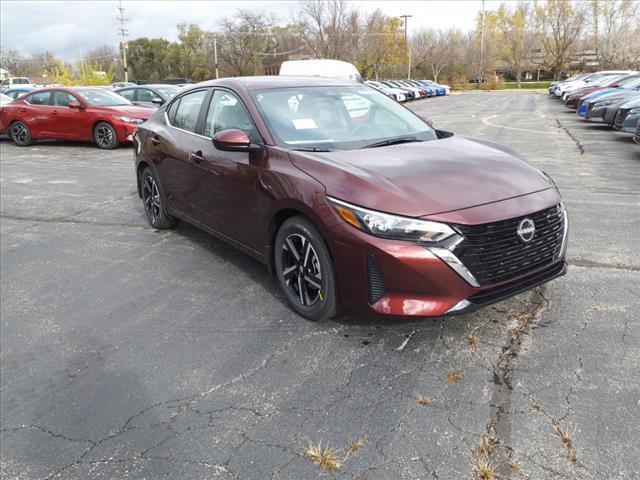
(132, 353)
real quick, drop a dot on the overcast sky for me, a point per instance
(68, 28)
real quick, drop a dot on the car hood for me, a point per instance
(425, 178)
(617, 94)
(135, 111)
(635, 103)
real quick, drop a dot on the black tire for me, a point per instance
(303, 263)
(105, 136)
(153, 203)
(20, 134)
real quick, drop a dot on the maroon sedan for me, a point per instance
(350, 198)
(90, 114)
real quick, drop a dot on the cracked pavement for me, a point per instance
(131, 353)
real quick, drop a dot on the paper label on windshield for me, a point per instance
(304, 123)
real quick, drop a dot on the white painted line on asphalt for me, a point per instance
(486, 121)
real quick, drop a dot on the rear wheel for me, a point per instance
(105, 136)
(153, 205)
(20, 134)
(305, 270)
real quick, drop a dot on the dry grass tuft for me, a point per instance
(325, 457)
(472, 341)
(565, 438)
(487, 446)
(483, 470)
(422, 400)
(513, 466)
(355, 445)
(537, 405)
(454, 376)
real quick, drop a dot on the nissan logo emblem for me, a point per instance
(526, 230)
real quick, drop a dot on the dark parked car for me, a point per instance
(149, 95)
(176, 81)
(350, 198)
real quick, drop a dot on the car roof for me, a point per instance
(275, 81)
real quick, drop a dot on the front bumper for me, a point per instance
(124, 131)
(604, 114)
(401, 278)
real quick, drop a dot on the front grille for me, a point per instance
(377, 287)
(494, 253)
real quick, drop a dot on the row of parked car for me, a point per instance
(111, 114)
(405, 90)
(611, 97)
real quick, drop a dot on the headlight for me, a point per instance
(129, 119)
(392, 226)
(613, 101)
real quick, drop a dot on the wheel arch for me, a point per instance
(281, 214)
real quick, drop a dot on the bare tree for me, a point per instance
(616, 27)
(13, 61)
(559, 24)
(246, 39)
(436, 50)
(330, 28)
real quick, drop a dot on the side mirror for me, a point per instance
(232, 140)
(157, 101)
(77, 105)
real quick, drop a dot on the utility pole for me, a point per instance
(481, 75)
(124, 33)
(406, 45)
(215, 53)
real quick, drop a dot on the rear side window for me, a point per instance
(40, 98)
(21, 81)
(128, 93)
(187, 112)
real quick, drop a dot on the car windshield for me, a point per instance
(99, 97)
(342, 118)
(168, 90)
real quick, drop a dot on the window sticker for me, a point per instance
(304, 123)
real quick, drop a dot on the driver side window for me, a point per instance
(226, 111)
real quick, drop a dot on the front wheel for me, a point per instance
(305, 270)
(20, 134)
(105, 136)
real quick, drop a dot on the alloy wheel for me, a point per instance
(19, 133)
(301, 269)
(151, 197)
(104, 136)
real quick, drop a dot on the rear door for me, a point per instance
(36, 113)
(170, 144)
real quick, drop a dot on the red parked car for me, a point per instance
(85, 113)
(350, 198)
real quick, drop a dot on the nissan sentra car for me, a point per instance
(349, 198)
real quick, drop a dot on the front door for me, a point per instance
(226, 189)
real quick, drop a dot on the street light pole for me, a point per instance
(406, 45)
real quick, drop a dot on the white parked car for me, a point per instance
(321, 68)
(568, 87)
(13, 82)
(397, 94)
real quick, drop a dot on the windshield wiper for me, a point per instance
(313, 149)
(392, 141)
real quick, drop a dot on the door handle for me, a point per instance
(22, 110)
(154, 140)
(196, 157)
